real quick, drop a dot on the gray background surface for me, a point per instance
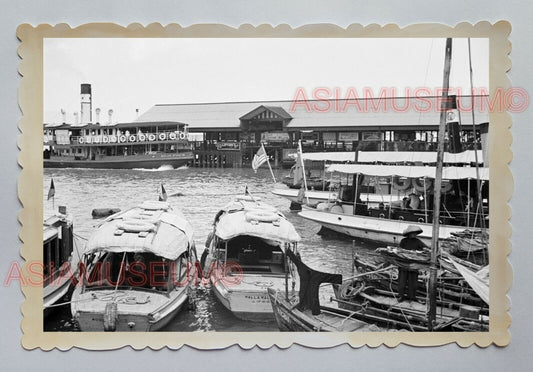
(516, 357)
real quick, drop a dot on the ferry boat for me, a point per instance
(246, 255)
(137, 271)
(123, 145)
(387, 222)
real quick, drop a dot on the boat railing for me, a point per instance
(420, 215)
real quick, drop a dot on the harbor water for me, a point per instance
(199, 193)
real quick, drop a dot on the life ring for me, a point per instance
(136, 226)
(151, 137)
(105, 139)
(421, 184)
(381, 215)
(122, 138)
(141, 137)
(421, 220)
(162, 136)
(113, 139)
(172, 136)
(80, 140)
(183, 135)
(400, 218)
(261, 216)
(96, 139)
(397, 183)
(131, 138)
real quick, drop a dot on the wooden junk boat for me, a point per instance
(137, 270)
(245, 255)
(462, 294)
(60, 258)
(303, 312)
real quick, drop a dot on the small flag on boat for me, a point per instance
(162, 193)
(51, 190)
(259, 158)
(246, 192)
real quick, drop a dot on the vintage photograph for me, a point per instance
(259, 184)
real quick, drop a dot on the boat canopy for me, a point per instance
(171, 237)
(234, 222)
(426, 157)
(341, 156)
(448, 173)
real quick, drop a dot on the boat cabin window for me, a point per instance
(255, 255)
(180, 276)
(141, 270)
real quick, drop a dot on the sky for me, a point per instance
(129, 74)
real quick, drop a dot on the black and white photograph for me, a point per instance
(256, 185)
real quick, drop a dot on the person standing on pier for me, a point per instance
(409, 278)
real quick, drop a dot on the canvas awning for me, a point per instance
(234, 223)
(448, 173)
(426, 157)
(171, 238)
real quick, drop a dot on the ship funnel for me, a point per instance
(86, 104)
(97, 114)
(76, 118)
(110, 115)
(63, 116)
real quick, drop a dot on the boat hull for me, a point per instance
(330, 319)
(129, 162)
(89, 310)
(375, 229)
(314, 197)
(248, 301)
(54, 292)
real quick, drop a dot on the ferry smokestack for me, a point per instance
(136, 113)
(76, 118)
(86, 104)
(63, 116)
(97, 114)
(110, 115)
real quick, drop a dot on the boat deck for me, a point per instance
(331, 321)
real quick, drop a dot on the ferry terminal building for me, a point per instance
(232, 132)
(228, 134)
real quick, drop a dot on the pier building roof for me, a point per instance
(409, 112)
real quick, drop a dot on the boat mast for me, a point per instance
(438, 183)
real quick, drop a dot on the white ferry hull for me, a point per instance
(372, 228)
